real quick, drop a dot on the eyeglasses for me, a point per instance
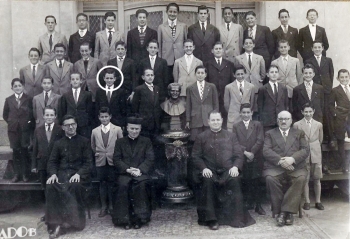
(70, 125)
(283, 119)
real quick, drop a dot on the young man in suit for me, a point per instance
(237, 93)
(139, 37)
(106, 39)
(203, 34)
(264, 43)
(78, 103)
(272, 99)
(103, 140)
(201, 99)
(32, 74)
(18, 114)
(339, 106)
(250, 136)
(45, 99)
(184, 67)
(59, 69)
(285, 32)
(171, 36)
(231, 35)
(80, 37)
(308, 92)
(133, 159)
(311, 33)
(49, 40)
(314, 135)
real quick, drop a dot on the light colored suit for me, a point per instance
(39, 105)
(233, 101)
(61, 83)
(314, 136)
(104, 51)
(44, 46)
(171, 48)
(290, 76)
(184, 77)
(105, 153)
(32, 87)
(232, 40)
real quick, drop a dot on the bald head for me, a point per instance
(284, 120)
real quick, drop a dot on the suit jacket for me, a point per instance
(268, 107)
(184, 77)
(32, 87)
(104, 51)
(305, 41)
(42, 147)
(117, 105)
(61, 83)
(97, 145)
(39, 105)
(129, 72)
(197, 109)
(233, 101)
(135, 50)
(203, 43)
(232, 40)
(161, 75)
(146, 103)
(171, 48)
(324, 73)
(82, 111)
(291, 36)
(275, 148)
(44, 46)
(291, 76)
(314, 136)
(264, 43)
(75, 42)
(300, 98)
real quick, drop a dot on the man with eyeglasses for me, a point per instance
(285, 152)
(68, 169)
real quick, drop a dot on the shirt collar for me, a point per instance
(112, 30)
(76, 89)
(53, 34)
(169, 22)
(58, 62)
(218, 59)
(70, 137)
(48, 93)
(287, 131)
(247, 54)
(271, 84)
(112, 87)
(310, 25)
(36, 66)
(311, 82)
(82, 31)
(144, 28)
(320, 56)
(155, 57)
(108, 126)
(118, 57)
(132, 138)
(253, 28)
(229, 23)
(282, 26)
(85, 59)
(215, 132)
(189, 56)
(149, 85)
(205, 24)
(238, 83)
(246, 122)
(200, 83)
(51, 125)
(287, 57)
(308, 121)
(19, 96)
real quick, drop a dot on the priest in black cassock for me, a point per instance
(69, 169)
(217, 158)
(133, 159)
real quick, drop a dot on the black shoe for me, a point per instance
(259, 209)
(15, 179)
(144, 221)
(127, 226)
(25, 178)
(281, 219)
(319, 206)
(103, 213)
(289, 219)
(306, 206)
(56, 233)
(137, 225)
(214, 225)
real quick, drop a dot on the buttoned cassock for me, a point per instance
(32, 87)
(61, 83)
(232, 40)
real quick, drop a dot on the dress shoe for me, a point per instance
(306, 206)
(214, 225)
(56, 233)
(319, 206)
(137, 225)
(15, 179)
(103, 213)
(25, 178)
(289, 219)
(127, 226)
(144, 221)
(281, 219)
(259, 209)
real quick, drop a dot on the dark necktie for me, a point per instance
(60, 64)
(219, 62)
(86, 65)
(18, 99)
(173, 29)
(50, 42)
(110, 38)
(46, 98)
(250, 62)
(76, 96)
(48, 132)
(109, 94)
(34, 73)
(142, 36)
(284, 136)
(241, 89)
(203, 28)
(275, 90)
(228, 26)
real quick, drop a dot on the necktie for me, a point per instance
(46, 98)
(48, 132)
(219, 62)
(110, 37)
(285, 29)
(203, 28)
(60, 64)
(18, 99)
(275, 90)
(309, 124)
(308, 90)
(86, 65)
(120, 58)
(141, 28)
(34, 73)
(250, 32)
(250, 62)
(50, 42)
(173, 29)
(246, 125)
(109, 94)
(152, 62)
(81, 33)
(76, 96)
(241, 89)
(201, 90)
(285, 136)
(49, 127)
(319, 61)
(228, 26)
(347, 92)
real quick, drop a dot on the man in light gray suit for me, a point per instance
(231, 35)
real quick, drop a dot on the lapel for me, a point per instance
(55, 131)
(270, 92)
(49, 101)
(279, 139)
(222, 65)
(13, 101)
(230, 33)
(81, 68)
(99, 136)
(323, 61)
(205, 91)
(23, 99)
(46, 41)
(250, 128)
(280, 65)
(89, 66)
(280, 92)
(195, 62)
(138, 144)
(198, 31)
(114, 38)
(242, 128)
(156, 64)
(257, 33)
(112, 131)
(42, 99)
(305, 128)
(70, 96)
(318, 32)
(81, 96)
(39, 72)
(246, 89)
(208, 32)
(313, 92)
(29, 73)
(236, 91)
(195, 91)
(65, 69)
(126, 64)
(183, 63)
(289, 65)
(54, 68)
(147, 36)
(56, 39)
(245, 62)
(167, 29)
(42, 134)
(104, 36)
(226, 33)
(290, 139)
(255, 62)
(304, 92)
(307, 30)
(177, 32)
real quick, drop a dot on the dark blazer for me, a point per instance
(129, 72)
(264, 43)
(268, 108)
(135, 50)
(305, 41)
(161, 75)
(291, 36)
(146, 103)
(32, 87)
(82, 111)
(324, 73)
(75, 42)
(203, 43)
(300, 98)
(42, 148)
(117, 105)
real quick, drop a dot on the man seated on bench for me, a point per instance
(285, 152)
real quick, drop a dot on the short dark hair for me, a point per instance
(226, 8)
(307, 105)
(273, 66)
(141, 11)
(217, 43)
(250, 38)
(283, 41)
(200, 67)
(173, 5)
(17, 79)
(153, 41)
(120, 43)
(245, 106)
(214, 112)
(109, 71)
(110, 14)
(60, 45)
(68, 117)
(104, 110)
(47, 77)
(76, 73)
(343, 71)
(282, 11)
(317, 42)
(311, 10)
(239, 67)
(50, 16)
(203, 7)
(81, 15)
(308, 66)
(188, 40)
(86, 44)
(49, 107)
(249, 13)
(34, 49)
(146, 69)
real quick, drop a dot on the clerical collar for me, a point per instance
(70, 137)
(216, 131)
(133, 138)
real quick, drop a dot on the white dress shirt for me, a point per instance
(246, 123)
(144, 28)
(251, 56)
(150, 86)
(47, 126)
(273, 87)
(287, 132)
(112, 31)
(312, 28)
(253, 31)
(311, 83)
(106, 128)
(58, 63)
(82, 32)
(36, 67)
(284, 28)
(189, 59)
(205, 24)
(78, 92)
(170, 21)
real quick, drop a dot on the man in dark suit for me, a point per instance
(285, 32)
(264, 43)
(311, 33)
(308, 92)
(139, 37)
(78, 38)
(133, 159)
(203, 34)
(285, 152)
